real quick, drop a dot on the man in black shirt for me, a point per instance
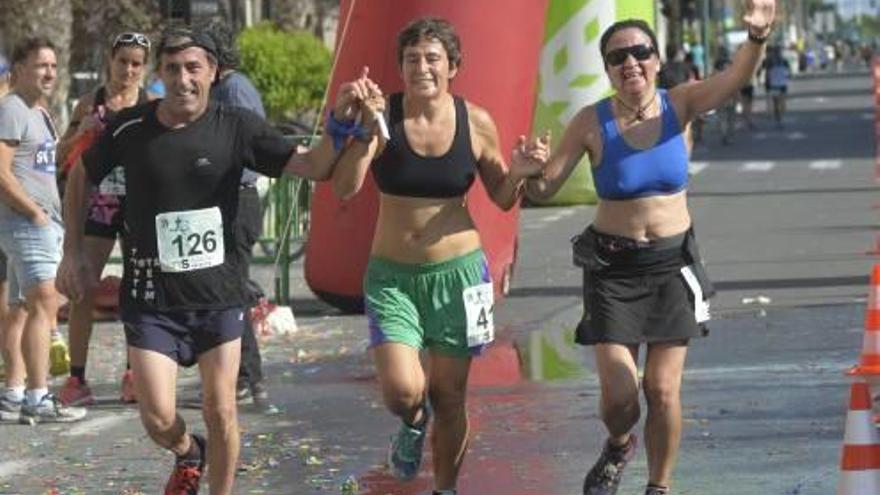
(183, 293)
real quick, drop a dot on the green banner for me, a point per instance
(572, 75)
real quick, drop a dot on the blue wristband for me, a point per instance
(340, 131)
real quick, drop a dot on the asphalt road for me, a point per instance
(784, 218)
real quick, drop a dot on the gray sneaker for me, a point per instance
(10, 410)
(405, 455)
(651, 490)
(50, 410)
(604, 477)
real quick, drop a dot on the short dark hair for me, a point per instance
(627, 24)
(30, 45)
(224, 40)
(431, 28)
(176, 39)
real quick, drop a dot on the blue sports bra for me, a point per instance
(628, 173)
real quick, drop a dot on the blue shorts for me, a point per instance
(33, 254)
(182, 335)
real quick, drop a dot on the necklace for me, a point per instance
(640, 111)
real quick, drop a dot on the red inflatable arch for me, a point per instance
(501, 41)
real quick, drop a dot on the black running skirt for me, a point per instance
(641, 291)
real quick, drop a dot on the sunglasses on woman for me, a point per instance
(619, 55)
(132, 39)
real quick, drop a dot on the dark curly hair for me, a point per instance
(433, 28)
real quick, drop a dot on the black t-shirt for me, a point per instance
(195, 167)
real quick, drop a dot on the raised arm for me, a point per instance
(702, 96)
(362, 100)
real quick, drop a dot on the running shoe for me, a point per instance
(10, 410)
(405, 455)
(59, 356)
(127, 393)
(653, 490)
(243, 393)
(186, 474)
(50, 410)
(76, 393)
(604, 477)
(259, 393)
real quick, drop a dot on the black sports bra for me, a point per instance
(400, 171)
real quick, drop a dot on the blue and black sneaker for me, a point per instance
(405, 455)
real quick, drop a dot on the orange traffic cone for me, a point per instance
(860, 462)
(869, 364)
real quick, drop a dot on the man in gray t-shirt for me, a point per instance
(30, 235)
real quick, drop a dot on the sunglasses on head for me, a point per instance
(619, 55)
(132, 39)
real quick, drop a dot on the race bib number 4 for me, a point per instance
(190, 240)
(478, 305)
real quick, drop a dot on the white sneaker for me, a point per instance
(50, 410)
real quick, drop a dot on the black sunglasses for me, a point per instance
(619, 55)
(132, 39)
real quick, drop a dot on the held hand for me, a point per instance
(530, 157)
(41, 219)
(352, 95)
(759, 16)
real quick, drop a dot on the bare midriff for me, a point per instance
(423, 230)
(646, 218)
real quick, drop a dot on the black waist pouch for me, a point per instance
(691, 254)
(583, 249)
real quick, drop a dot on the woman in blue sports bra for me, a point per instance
(643, 279)
(427, 284)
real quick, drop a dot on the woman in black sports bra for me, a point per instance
(128, 58)
(427, 285)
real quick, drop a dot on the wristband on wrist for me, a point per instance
(340, 131)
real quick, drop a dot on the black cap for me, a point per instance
(180, 38)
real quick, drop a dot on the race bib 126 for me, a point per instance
(190, 240)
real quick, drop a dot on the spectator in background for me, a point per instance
(5, 73)
(30, 234)
(128, 57)
(235, 89)
(5, 81)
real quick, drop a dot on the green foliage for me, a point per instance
(289, 69)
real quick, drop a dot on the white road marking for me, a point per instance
(12, 468)
(769, 369)
(796, 136)
(825, 164)
(696, 167)
(758, 166)
(95, 426)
